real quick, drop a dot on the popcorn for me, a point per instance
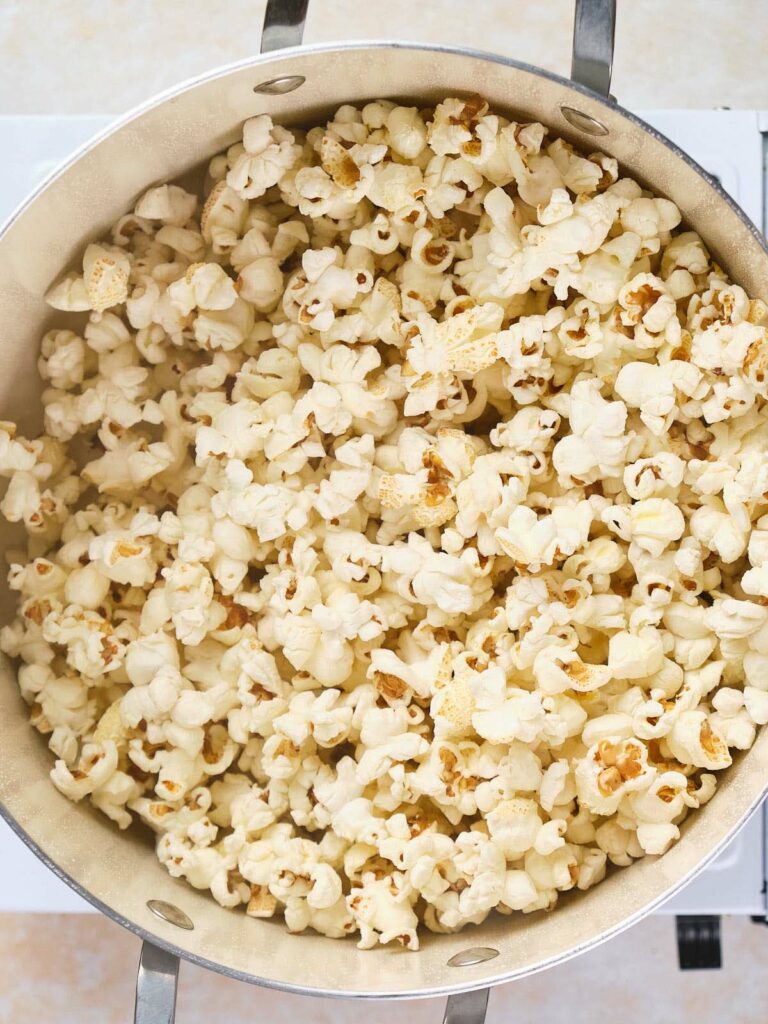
(383, 912)
(97, 765)
(222, 219)
(597, 444)
(513, 826)
(123, 558)
(649, 388)
(504, 715)
(558, 870)
(609, 772)
(406, 131)
(654, 476)
(395, 545)
(189, 596)
(649, 308)
(559, 669)
(105, 276)
(438, 353)
(204, 285)
(269, 152)
(147, 655)
(62, 359)
(167, 203)
(635, 656)
(651, 523)
(694, 741)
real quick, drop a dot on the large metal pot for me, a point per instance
(161, 140)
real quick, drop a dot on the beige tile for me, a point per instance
(80, 970)
(102, 56)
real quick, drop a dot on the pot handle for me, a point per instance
(158, 978)
(594, 28)
(283, 24)
(467, 1007)
(156, 986)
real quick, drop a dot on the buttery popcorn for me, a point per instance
(398, 538)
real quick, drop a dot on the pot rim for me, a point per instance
(222, 70)
(436, 992)
(273, 58)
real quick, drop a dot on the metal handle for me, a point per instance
(283, 24)
(158, 979)
(594, 28)
(466, 1007)
(156, 986)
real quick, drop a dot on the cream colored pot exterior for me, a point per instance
(118, 872)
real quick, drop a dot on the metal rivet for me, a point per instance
(475, 955)
(584, 122)
(170, 913)
(280, 86)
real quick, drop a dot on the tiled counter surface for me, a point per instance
(99, 56)
(75, 969)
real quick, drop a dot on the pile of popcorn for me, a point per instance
(398, 535)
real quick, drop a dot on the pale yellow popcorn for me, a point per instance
(598, 443)
(269, 152)
(649, 388)
(558, 870)
(62, 359)
(648, 217)
(651, 523)
(123, 557)
(98, 763)
(204, 285)
(756, 703)
(380, 915)
(167, 203)
(718, 531)
(462, 346)
(69, 295)
(513, 826)
(223, 217)
(407, 132)
(694, 741)
(558, 669)
(105, 273)
(452, 709)
(147, 654)
(610, 771)
(654, 476)
(503, 716)
(189, 594)
(535, 542)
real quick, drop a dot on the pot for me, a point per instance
(160, 141)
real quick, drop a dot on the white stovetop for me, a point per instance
(729, 145)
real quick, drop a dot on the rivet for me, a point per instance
(583, 122)
(474, 955)
(170, 913)
(280, 86)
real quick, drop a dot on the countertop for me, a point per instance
(103, 57)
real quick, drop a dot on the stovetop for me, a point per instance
(732, 145)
